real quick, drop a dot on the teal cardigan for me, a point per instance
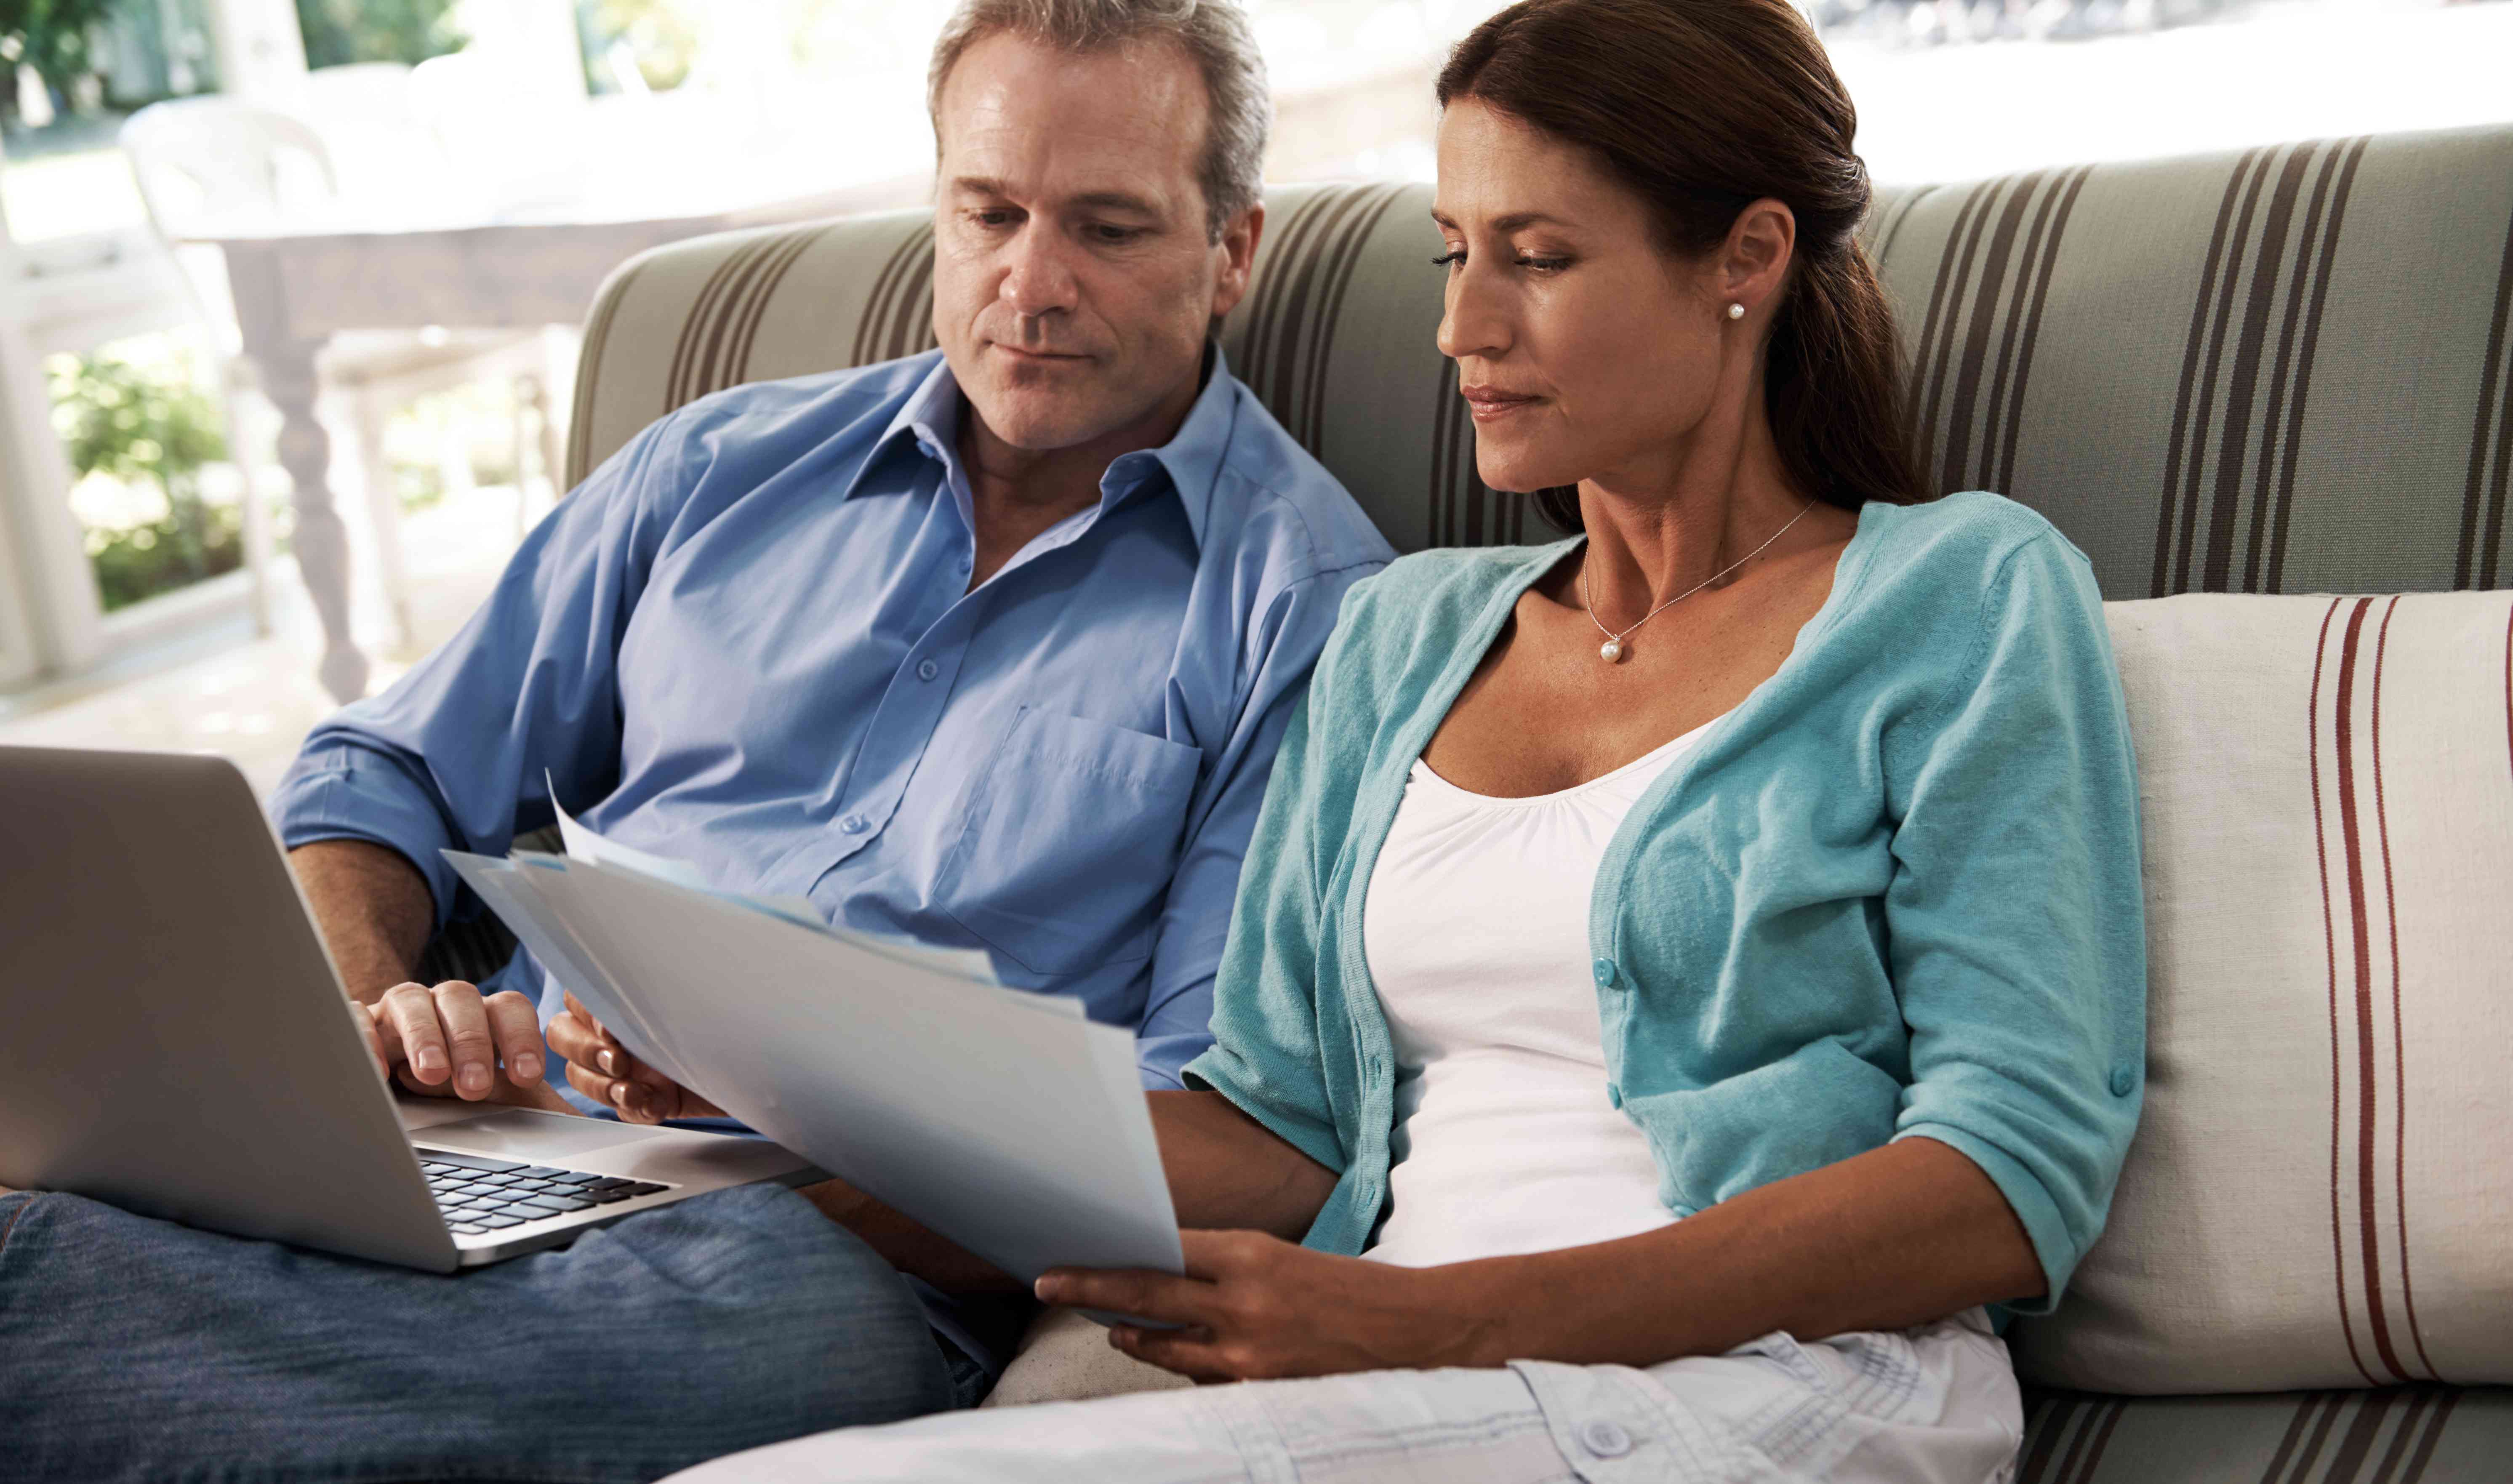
(1894, 892)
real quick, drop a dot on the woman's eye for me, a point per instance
(1544, 264)
(1451, 259)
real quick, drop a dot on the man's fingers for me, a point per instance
(574, 1038)
(412, 1011)
(517, 1030)
(467, 1040)
(374, 1039)
(633, 1104)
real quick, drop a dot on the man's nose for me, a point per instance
(1039, 279)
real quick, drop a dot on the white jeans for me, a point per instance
(1935, 1405)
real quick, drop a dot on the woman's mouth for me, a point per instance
(1490, 404)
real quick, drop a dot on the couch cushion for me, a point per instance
(2401, 1435)
(2321, 1187)
(2286, 370)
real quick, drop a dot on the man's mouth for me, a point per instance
(1041, 357)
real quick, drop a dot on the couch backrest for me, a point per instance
(2286, 370)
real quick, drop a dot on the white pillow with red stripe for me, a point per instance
(2321, 1190)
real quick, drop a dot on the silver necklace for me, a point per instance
(1613, 649)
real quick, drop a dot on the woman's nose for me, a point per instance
(1470, 323)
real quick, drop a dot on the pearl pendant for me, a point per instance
(1612, 650)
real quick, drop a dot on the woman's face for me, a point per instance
(1585, 350)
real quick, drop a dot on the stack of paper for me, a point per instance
(1004, 1120)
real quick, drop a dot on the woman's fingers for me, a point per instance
(1188, 1352)
(1139, 1292)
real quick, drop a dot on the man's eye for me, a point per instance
(992, 216)
(1105, 233)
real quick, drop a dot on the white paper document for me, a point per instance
(1004, 1120)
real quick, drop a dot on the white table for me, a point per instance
(296, 287)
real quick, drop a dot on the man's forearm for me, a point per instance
(373, 908)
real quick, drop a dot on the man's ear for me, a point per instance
(1237, 250)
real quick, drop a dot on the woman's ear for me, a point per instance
(1755, 262)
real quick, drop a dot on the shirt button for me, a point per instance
(2123, 1079)
(1605, 970)
(928, 670)
(1613, 1095)
(853, 824)
(1605, 1439)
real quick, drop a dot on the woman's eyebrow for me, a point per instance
(1509, 223)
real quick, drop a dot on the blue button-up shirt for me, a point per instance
(747, 642)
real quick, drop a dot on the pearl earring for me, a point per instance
(1736, 311)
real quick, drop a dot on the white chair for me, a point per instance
(214, 165)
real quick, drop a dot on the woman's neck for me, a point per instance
(1672, 524)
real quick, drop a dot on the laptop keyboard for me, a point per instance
(479, 1195)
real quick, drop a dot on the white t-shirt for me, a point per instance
(1476, 929)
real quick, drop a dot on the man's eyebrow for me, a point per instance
(1093, 200)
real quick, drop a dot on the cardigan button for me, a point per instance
(1605, 970)
(2124, 1081)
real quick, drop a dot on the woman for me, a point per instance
(1719, 927)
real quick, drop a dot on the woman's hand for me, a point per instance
(1254, 1306)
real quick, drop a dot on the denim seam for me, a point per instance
(24, 1206)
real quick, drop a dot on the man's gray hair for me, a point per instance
(1239, 108)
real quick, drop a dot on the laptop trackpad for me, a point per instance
(533, 1138)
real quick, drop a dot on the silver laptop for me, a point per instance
(176, 1042)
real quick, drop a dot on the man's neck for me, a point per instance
(1015, 492)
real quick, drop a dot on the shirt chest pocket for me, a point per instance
(1067, 842)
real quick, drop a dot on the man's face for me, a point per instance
(1074, 274)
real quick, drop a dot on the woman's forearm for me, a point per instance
(1230, 1172)
(1896, 1238)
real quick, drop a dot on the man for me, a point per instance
(992, 647)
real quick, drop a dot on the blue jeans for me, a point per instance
(132, 1348)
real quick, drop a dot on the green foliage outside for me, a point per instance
(662, 36)
(147, 424)
(341, 31)
(54, 37)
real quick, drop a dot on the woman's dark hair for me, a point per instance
(1701, 107)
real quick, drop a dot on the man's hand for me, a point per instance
(602, 1069)
(1254, 1306)
(450, 1040)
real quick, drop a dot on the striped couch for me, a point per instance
(2283, 370)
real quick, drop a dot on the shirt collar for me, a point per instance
(1189, 464)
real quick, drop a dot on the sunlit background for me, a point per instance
(148, 595)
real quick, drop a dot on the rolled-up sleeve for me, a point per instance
(454, 754)
(1268, 1056)
(1282, 650)
(2016, 916)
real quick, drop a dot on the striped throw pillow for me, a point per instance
(2321, 1192)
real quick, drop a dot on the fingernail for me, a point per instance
(474, 1079)
(427, 1065)
(610, 1062)
(619, 1093)
(527, 1067)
